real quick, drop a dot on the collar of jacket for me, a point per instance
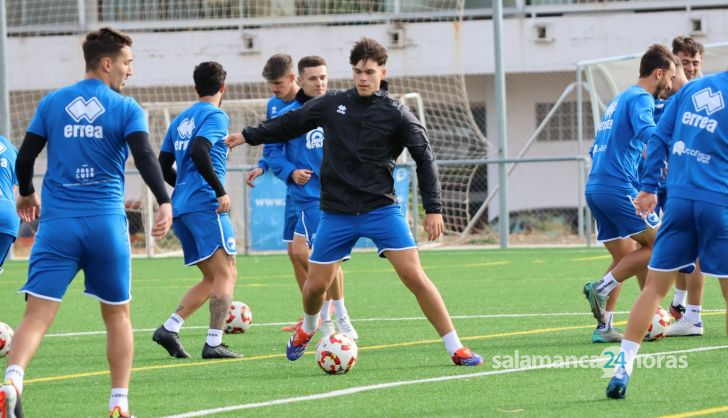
(382, 92)
(302, 97)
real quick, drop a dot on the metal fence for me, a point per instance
(74, 16)
(529, 224)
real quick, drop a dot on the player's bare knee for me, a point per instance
(416, 281)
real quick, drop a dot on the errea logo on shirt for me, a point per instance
(80, 109)
(708, 101)
(341, 109)
(89, 110)
(186, 127)
(2, 148)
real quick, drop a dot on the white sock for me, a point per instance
(214, 337)
(174, 323)
(629, 350)
(692, 314)
(680, 297)
(310, 322)
(16, 374)
(606, 284)
(326, 310)
(119, 397)
(452, 342)
(339, 308)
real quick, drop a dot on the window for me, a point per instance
(562, 125)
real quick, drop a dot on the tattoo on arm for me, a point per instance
(219, 306)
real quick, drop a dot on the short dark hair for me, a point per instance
(105, 42)
(657, 56)
(368, 49)
(277, 66)
(687, 45)
(209, 77)
(310, 61)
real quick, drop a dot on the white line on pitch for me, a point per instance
(367, 388)
(412, 318)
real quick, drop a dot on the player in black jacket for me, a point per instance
(366, 130)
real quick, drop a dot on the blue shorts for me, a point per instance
(291, 213)
(6, 241)
(615, 216)
(308, 222)
(201, 233)
(337, 233)
(98, 245)
(692, 229)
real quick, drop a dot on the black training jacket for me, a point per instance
(364, 137)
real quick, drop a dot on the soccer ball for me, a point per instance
(660, 323)
(336, 353)
(239, 318)
(6, 336)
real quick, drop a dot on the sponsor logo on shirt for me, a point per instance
(341, 109)
(599, 148)
(79, 110)
(2, 148)
(680, 149)
(315, 138)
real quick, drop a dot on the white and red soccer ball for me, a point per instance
(660, 323)
(6, 336)
(239, 318)
(336, 353)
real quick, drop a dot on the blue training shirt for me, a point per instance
(191, 192)
(659, 109)
(623, 132)
(86, 125)
(9, 220)
(694, 131)
(272, 109)
(304, 152)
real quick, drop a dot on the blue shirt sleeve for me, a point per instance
(658, 148)
(37, 124)
(263, 164)
(167, 145)
(136, 120)
(275, 156)
(642, 116)
(214, 128)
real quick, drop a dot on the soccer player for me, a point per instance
(300, 164)
(366, 130)
(623, 132)
(687, 300)
(280, 75)
(9, 220)
(694, 132)
(200, 203)
(88, 127)
(690, 53)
